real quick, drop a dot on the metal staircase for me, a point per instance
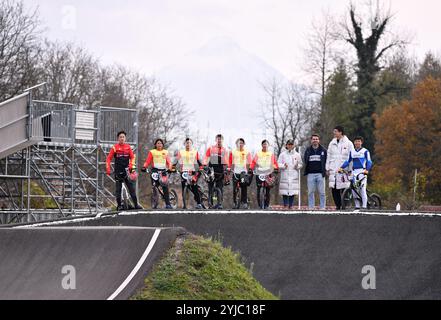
(63, 156)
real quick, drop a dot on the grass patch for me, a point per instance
(201, 269)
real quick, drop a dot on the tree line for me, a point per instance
(363, 77)
(73, 75)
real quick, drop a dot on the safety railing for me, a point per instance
(113, 120)
(67, 123)
(57, 121)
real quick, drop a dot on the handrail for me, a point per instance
(13, 99)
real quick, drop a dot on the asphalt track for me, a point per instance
(109, 263)
(304, 256)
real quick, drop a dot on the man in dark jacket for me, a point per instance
(315, 170)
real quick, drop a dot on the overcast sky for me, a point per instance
(151, 34)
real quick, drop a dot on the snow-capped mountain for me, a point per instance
(222, 83)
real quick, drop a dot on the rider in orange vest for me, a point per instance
(239, 162)
(266, 163)
(159, 160)
(189, 162)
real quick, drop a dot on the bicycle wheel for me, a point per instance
(186, 198)
(237, 198)
(262, 196)
(216, 197)
(127, 200)
(204, 198)
(347, 199)
(173, 199)
(374, 201)
(268, 197)
(155, 198)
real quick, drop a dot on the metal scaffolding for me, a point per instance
(62, 172)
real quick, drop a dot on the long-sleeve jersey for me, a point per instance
(217, 158)
(361, 159)
(239, 161)
(124, 158)
(188, 160)
(264, 161)
(158, 159)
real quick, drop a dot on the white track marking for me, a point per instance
(279, 212)
(138, 265)
(55, 223)
(223, 212)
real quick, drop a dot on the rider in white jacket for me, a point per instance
(338, 153)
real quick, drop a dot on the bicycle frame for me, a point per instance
(157, 184)
(157, 188)
(125, 196)
(263, 178)
(240, 177)
(355, 192)
(241, 180)
(187, 177)
(211, 178)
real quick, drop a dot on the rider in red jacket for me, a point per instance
(217, 158)
(124, 159)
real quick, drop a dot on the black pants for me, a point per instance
(194, 189)
(267, 194)
(336, 194)
(288, 201)
(130, 187)
(244, 190)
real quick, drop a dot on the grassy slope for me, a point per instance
(201, 269)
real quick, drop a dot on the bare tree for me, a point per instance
(321, 52)
(162, 113)
(70, 73)
(164, 116)
(302, 112)
(289, 112)
(430, 67)
(274, 114)
(118, 86)
(19, 47)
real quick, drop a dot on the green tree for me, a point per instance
(337, 104)
(396, 81)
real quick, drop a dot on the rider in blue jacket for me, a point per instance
(361, 164)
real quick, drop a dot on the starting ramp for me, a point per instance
(15, 121)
